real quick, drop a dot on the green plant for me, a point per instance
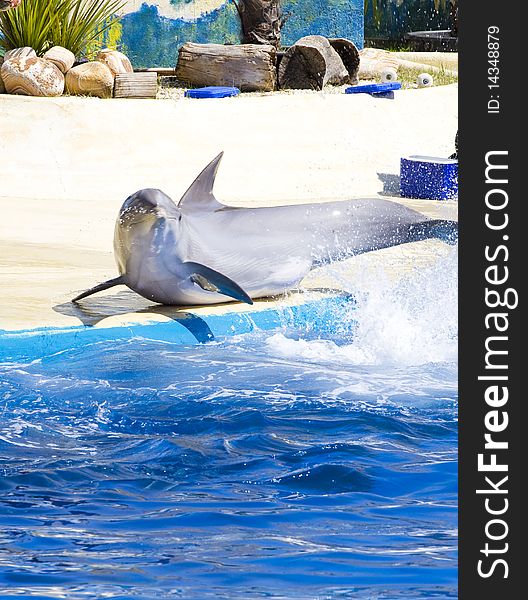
(84, 22)
(28, 25)
(407, 76)
(42, 24)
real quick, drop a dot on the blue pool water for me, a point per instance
(286, 464)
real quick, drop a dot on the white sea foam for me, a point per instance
(413, 321)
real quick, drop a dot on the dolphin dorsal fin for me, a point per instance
(200, 196)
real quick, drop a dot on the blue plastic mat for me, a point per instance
(373, 88)
(212, 91)
(379, 90)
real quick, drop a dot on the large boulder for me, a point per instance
(32, 76)
(2, 87)
(61, 57)
(24, 52)
(14, 53)
(90, 79)
(116, 61)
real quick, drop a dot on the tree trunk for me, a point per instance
(349, 55)
(261, 21)
(136, 85)
(311, 63)
(250, 67)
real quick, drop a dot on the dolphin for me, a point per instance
(204, 252)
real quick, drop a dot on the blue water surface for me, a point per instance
(271, 465)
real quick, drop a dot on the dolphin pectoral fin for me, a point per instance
(200, 196)
(213, 281)
(99, 288)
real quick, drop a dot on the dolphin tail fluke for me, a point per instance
(442, 229)
(99, 288)
(213, 281)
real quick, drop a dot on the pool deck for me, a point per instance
(68, 164)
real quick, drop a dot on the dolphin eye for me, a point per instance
(180, 218)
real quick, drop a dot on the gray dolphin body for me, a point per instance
(203, 252)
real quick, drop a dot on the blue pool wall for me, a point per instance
(321, 316)
(152, 40)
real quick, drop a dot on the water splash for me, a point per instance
(412, 321)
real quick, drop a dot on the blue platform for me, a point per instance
(429, 177)
(377, 90)
(186, 327)
(212, 91)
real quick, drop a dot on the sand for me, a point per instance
(69, 162)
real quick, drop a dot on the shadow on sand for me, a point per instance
(93, 311)
(391, 184)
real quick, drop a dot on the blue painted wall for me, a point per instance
(151, 39)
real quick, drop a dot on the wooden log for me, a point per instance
(261, 21)
(374, 61)
(159, 70)
(136, 85)
(249, 67)
(349, 55)
(311, 63)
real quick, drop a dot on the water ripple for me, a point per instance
(278, 465)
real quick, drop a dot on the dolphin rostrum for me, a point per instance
(203, 252)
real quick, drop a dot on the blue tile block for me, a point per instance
(429, 177)
(212, 91)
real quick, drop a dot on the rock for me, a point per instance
(19, 53)
(32, 76)
(116, 61)
(2, 87)
(90, 79)
(61, 57)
